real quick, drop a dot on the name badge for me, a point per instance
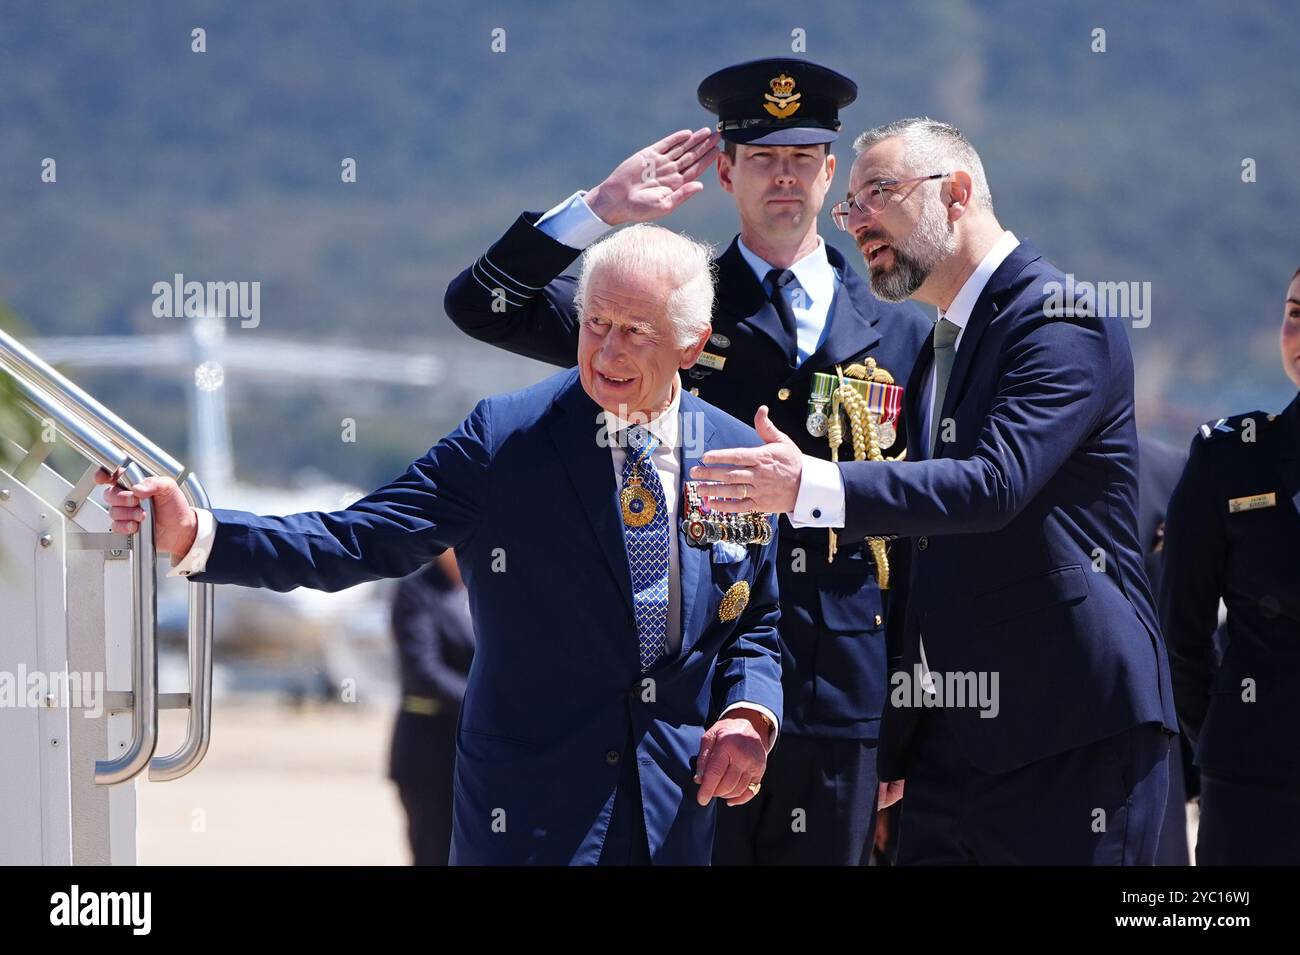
(709, 360)
(1251, 503)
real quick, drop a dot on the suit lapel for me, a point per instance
(745, 302)
(695, 565)
(986, 308)
(591, 471)
(914, 403)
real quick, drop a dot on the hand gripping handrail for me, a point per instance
(103, 437)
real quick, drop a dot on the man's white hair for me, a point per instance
(684, 265)
(930, 146)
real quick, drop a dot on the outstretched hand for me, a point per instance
(753, 479)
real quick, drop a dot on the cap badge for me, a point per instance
(783, 101)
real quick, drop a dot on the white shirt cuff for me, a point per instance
(572, 222)
(196, 559)
(927, 675)
(776, 726)
(820, 502)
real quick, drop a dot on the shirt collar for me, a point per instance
(666, 426)
(964, 301)
(813, 272)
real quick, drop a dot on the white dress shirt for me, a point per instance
(572, 222)
(959, 311)
(820, 502)
(667, 460)
(817, 282)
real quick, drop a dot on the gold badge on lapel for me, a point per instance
(783, 101)
(734, 601)
(1252, 502)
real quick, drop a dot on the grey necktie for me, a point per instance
(945, 353)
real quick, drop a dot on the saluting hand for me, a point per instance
(654, 181)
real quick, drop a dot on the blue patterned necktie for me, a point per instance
(647, 551)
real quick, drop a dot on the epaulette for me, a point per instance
(1220, 428)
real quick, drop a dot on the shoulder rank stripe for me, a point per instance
(1210, 427)
(492, 288)
(500, 276)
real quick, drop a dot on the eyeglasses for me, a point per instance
(872, 200)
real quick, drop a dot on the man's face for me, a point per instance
(1290, 337)
(779, 190)
(902, 243)
(628, 354)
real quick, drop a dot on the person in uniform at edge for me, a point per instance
(616, 693)
(788, 306)
(435, 645)
(1233, 534)
(1031, 715)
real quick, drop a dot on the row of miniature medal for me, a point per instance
(819, 400)
(701, 526)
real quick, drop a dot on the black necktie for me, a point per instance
(779, 279)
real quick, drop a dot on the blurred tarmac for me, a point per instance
(286, 785)
(280, 785)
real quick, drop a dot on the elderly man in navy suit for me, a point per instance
(788, 308)
(626, 673)
(1031, 712)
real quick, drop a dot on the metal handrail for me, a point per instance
(144, 657)
(199, 731)
(103, 437)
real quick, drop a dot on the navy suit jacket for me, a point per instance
(832, 632)
(526, 494)
(1025, 559)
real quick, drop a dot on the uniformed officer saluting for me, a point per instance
(788, 305)
(1233, 532)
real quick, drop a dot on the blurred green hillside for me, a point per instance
(225, 165)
